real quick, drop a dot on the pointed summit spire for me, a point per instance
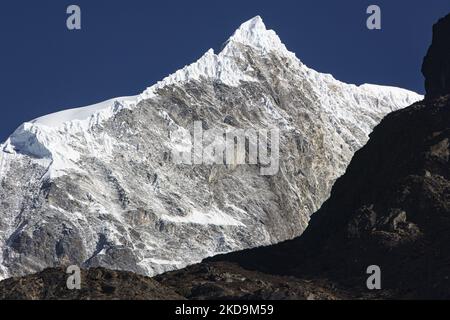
(254, 33)
(254, 24)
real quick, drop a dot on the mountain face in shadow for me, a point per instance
(436, 66)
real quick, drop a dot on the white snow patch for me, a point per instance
(254, 33)
(207, 217)
(162, 261)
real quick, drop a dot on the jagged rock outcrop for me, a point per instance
(97, 186)
(436, 66)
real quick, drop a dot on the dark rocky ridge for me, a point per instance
(96, 284)
(436, 65)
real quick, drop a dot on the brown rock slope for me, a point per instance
(436, 66)
(96, 284)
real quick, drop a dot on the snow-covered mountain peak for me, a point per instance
(250, 29)
(97, 186)
(221, 67)
(46, 137)
(254, 33)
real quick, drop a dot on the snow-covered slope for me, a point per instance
(97, 185)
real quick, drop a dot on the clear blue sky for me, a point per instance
(125, 46)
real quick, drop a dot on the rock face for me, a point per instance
(391, 209)
(436, 66)
(96, 284)
(97, 186)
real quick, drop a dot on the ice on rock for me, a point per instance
(102, 110)
(254, 33)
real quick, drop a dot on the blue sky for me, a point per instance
(125, 46)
